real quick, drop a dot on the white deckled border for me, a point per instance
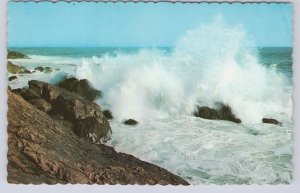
(293, 188)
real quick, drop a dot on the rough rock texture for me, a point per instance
(80, 87)
(14, 69)
(271, 121)
(130, 122)
(107, 114)
(223, 112)
(15, 55)
(86, 116)
(45, 150)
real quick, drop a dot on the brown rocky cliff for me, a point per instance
(46, 150)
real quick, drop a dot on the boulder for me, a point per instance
(271, 121)
(81, 87)
(107, 114)
(86, 116)
(222, 112)
(130, 122)
(16, 55)
(11, 78)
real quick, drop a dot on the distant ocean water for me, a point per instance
(160, 87)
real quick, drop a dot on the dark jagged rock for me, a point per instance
(130, 122)
(15, 69)
(223, 112)
(271, 121)
(42, 149)
(11, 78)
(16, 55)
(86, 116)
(107, 114)
(206, 113)
(80, 87)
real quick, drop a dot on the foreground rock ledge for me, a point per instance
(44, 150)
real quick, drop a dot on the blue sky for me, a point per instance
(139, 24)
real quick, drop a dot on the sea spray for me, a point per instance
(212, 63)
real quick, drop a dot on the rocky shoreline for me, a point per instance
(43, 148)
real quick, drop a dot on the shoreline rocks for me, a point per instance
(223, 112)
(86, 116)
(44, 149)
(11, 78)
(108, 114)
(81, 87)
(15, 69)
(271, 121)
(16, 55)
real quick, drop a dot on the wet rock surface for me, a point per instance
(271, 121)
(130, 122)
(11, 78)
(81, 87)
(44, 149)
(223, 112)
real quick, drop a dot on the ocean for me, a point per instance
(160, 88)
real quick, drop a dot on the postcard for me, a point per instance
(149, 93)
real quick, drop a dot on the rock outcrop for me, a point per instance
(130, 122)
(16, 55)
(108, 114)
(223, 112)
(42, 149)
(81, 87)
(271, 121)
(87, 118)
(15, 69)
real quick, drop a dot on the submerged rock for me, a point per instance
(11, 78)
(81, 87)
(223, 112)
(16, 55)
(130, 122)
(107, 114)
(43, 69)
(271, 121)
(42, 149)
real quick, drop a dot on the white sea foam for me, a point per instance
(212, 63)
